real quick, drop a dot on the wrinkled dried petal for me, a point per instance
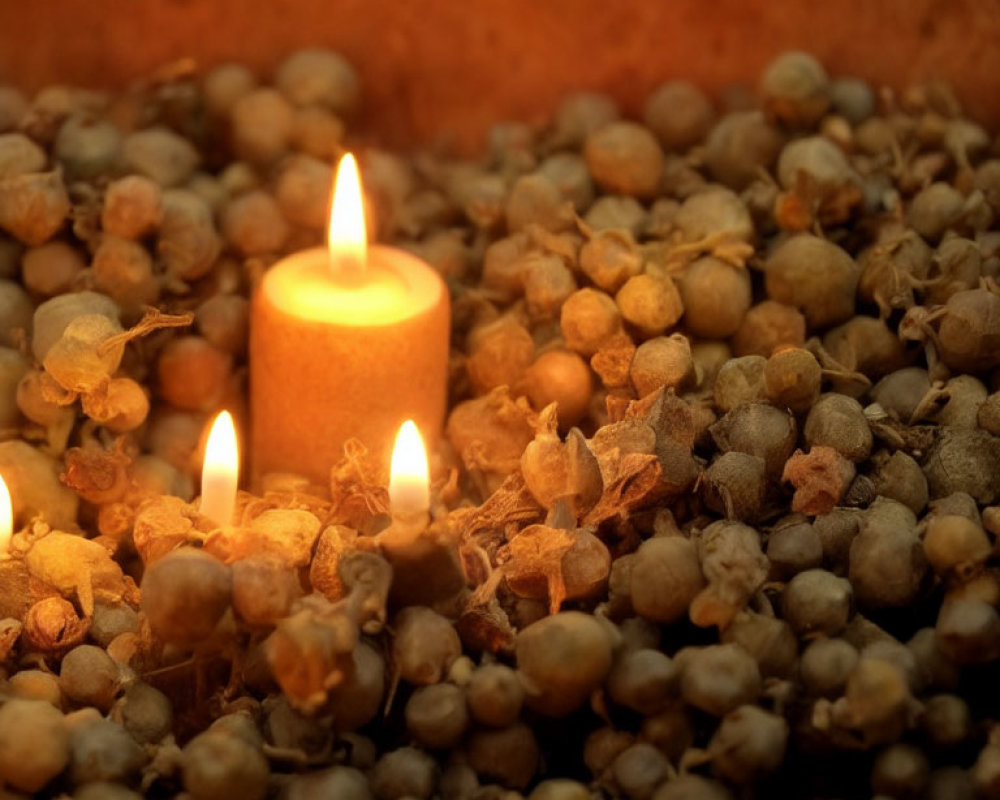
(53, 626)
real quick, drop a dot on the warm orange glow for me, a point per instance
(346, 236)
(409, 484)
(220, 472)
(6, 517)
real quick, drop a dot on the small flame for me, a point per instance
(409, 483)
(221, 471)
(346, 236)
(6, 517)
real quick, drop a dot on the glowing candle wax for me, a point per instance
(221, 471)
(6, 517)
(426, 566)
(346, 341)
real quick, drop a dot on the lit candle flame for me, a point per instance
(220, 472)
(346, 236)
(409, 483)
(6, 517)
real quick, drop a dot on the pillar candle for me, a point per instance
(345, 341)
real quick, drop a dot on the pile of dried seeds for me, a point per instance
(717, 511)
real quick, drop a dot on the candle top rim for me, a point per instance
(398, 286)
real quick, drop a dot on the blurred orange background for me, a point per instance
(444, 70)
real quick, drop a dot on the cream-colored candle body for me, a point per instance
(334, 359)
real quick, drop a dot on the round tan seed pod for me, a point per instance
(87, 147)
(436, 716)
(495, 695)
(679, 113)
(826, 665)
(578, 115)
(406, 772)
(663, 362)
(132, 207)
(221, 765)
(964, 460)
(223, 85)
(625, 158)
(425, 645)
(639, 769)
(900, 478)
(955, 546)
(838, 421)
(188, 243)
(547, 282)
(935, 209)
(644, 680)
(587, 319)
(749, 744)
(535, 200)
(650, 304)
(319, 77)
(223, 319)
(968, 630)
(813, 275)
(817, 602)
(887, 562)
(665, 577)
(185, 594)
(261, 123)
(719, 678)
(51, 269)
(969, 334)
(120, 406)
(740, 380)
(357, 701)
(767, 326)
(19, 155)
(569, 173)
(792, 378)
(499, 353)
(818, 161)
(263, 590)
(192, 374)
(564, 378)
(760, 430)
(318, 132)
(795, 89)
(88, 676)
(161, 155)
(509, 756)
(560, 789)
(852, 99)
(561, 659)
(867, 345)
(34, 684)
(735, 485)
(303, 191)
(253, 225)
(123, 270)
(714, 213)
(617, 212)
(740, 145)
(34, 744)
(610, 258)
(34, 207)
(715, 296)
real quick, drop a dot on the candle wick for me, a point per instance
(348, 267)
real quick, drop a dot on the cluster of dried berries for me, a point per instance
(719, 497)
